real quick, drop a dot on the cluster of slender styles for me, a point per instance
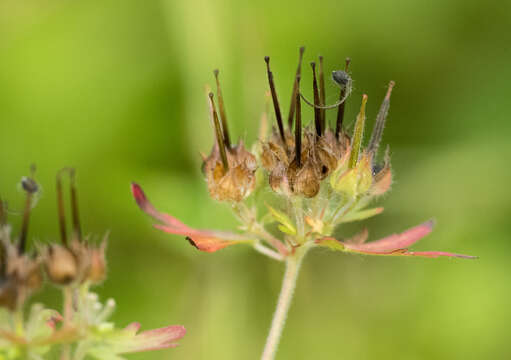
(320, 178)
(74, 265)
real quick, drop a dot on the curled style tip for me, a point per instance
(221, 108)
(343, 80)
(218, 133)
(379, 124)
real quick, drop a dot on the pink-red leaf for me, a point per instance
(395, 241)
(392, 245)
(204, 240)
(149, 340)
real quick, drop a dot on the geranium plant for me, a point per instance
(81, 330)
(320, 176)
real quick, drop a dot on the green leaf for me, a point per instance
(331, 243)
(286, 226)
(286, 230)
(361, 215)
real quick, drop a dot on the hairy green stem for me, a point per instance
(268, 252)
(293, 263)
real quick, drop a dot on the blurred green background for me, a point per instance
(116, 89)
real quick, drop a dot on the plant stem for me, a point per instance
(268, 252)
(68, 313)
(293, 263)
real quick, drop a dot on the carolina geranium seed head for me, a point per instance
(296, 165)
(229, 169)
(308, 158)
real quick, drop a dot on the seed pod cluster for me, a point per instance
(229, 169)
(299, 158)
(319, 156)
(76, 261)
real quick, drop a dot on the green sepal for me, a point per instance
(361, 215)
(331, 243)
(358, 134)
(286, 226)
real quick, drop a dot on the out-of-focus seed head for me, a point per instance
(20, 271)
(20, 275)
(60, 264)
(77, 261)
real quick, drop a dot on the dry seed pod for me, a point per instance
(61, 265)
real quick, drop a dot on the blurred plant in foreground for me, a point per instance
(322, 178)
(83, 329)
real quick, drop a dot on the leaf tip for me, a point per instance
(139, 195)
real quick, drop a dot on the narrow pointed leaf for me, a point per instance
(396, 241)
(286, 226)
(361, 215)
(155, 339)
(331, 243)
(393, 245)
(358, 133)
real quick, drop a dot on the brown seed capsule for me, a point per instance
(237, 181)
(81, 252)
(305, 180)
(97, 271)
(61, 265)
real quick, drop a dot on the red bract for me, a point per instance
(392, 245)
(204, 240)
